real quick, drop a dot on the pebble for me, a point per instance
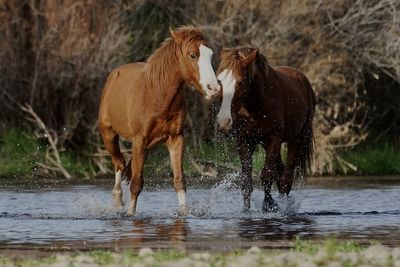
(253, 250)
(145, 252)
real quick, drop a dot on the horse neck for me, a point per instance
(166, 81)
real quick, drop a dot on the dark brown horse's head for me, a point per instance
(194, 58)
(235, 72)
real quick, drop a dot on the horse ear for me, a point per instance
(176, 35)
(249, 57)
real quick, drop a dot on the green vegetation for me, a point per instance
(330, 245)
(331, 252)
(380, 158)
(21, 155)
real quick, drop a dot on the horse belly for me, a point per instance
(122, 95)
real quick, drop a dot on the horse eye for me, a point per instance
(193, 56)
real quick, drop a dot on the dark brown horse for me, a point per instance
(144, 102)
(268, 106)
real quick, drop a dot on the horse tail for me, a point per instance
(307, 151)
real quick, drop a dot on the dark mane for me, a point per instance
(262, 63)
(230, 59)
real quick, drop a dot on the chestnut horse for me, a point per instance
(268, 106)
(144, 103)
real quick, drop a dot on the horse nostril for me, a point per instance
(208, 87)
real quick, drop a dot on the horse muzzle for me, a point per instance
(225, 123)
(212, 90)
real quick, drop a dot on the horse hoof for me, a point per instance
(183, 211)
(130, 213)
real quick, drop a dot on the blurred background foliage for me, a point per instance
(55, 56)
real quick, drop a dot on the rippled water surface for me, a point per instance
(82, 217)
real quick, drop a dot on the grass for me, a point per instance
(21, 155)
(330, 245)
(381, 158)
(342, 253)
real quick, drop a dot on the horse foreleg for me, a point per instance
(110, 139)
(246, 151)
(139, 154)
(272, 169)
(175, 146)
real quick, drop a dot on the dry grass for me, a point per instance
(55, 55)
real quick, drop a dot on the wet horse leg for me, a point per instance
(271, 171)
(139, 154)
(280, 168)
(110, 139)
(246, 150)
(286, 180)
(175, 146)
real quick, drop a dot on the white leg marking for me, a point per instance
(228, 82)
(183, 210)
(182, 198)
(118, 178)
(132, 208)
(117, 191)
(208, 80)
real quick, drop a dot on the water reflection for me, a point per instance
(276, 228)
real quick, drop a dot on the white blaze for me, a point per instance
(208, 80)
(228, 82)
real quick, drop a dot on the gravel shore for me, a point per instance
(304, 255)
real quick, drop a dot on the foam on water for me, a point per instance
(222, 201)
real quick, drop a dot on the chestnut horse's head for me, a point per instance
(235, 72)
(194, 58)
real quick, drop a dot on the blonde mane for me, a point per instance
(164, 58)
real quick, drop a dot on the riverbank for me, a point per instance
(23, 158)
(304, 253)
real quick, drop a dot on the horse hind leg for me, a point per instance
(299, 156)
(110, 139)
(293, 160)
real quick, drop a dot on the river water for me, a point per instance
(82, 217)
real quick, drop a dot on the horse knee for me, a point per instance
(118, 163)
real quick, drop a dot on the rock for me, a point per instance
(201, 256)
(377, 254)
(145, 252)
(253, 250)
(307, 264)
(186, 262)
